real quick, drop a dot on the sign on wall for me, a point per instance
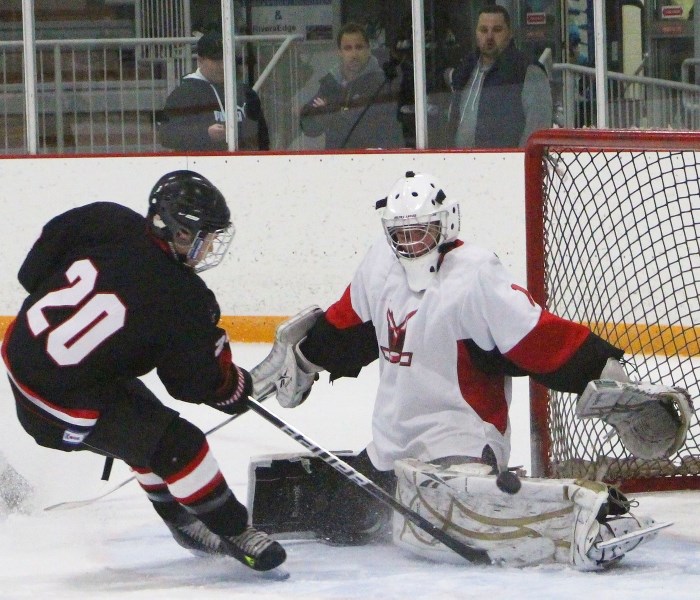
(313, 19)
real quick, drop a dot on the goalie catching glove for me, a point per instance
(285, 368)
(651, 420)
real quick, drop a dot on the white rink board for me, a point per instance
(302, 222)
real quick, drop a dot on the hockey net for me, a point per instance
(613, 221)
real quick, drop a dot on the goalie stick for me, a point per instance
(472, 555)
(70, 504)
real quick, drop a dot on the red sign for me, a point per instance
(671, 12)
(536, 18)
(671, 28)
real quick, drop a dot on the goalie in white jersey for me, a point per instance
(450, 326)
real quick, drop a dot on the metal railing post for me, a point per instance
(569, 99)
(29, 66)
(58, 99)
(230, 72)
(419, 84)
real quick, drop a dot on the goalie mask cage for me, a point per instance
(613, 221)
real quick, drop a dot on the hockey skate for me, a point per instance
(619, 535)
(254, 549)
(190, 533)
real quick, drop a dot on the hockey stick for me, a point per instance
(70, 504)
(473, 555)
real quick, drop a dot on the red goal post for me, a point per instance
(613, 228)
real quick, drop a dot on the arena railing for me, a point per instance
(634, 102)
(105, 95)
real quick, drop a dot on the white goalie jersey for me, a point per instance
(433, 400)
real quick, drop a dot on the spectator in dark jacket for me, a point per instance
(195, 114)
(355, 106)
(499, 96)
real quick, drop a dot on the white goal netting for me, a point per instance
(613, 230)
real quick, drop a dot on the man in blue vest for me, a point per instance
(499, 96)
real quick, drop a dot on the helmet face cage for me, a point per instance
(191, 215)
(200, 249)
(209, 248)
(413, 237)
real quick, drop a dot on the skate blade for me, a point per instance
(632, 535)
(276, 574)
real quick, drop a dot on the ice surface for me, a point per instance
(118, 548)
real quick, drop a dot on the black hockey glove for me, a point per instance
(242, 387)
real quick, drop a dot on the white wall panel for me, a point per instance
(302, 222)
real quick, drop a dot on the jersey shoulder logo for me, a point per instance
(397, 336)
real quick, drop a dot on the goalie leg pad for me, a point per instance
(300, 496)
(547, 521)
(532, 526)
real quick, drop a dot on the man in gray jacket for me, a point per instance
(499, 96)
(355, 106)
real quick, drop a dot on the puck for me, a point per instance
(508, 482)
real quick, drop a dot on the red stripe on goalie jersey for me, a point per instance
(549, 345)
(484, 393)
(341, 314)
(197, 479)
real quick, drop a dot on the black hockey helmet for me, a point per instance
(189, 213)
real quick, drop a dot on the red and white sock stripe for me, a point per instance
(197, 479)
(149, 481)
(190, 484)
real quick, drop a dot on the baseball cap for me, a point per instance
(210, 45)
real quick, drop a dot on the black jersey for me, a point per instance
(107, 302)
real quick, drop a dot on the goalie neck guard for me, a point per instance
(418, 219)
(190, 214)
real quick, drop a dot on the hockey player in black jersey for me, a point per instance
(112, 296)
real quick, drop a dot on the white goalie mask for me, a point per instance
(418, 219)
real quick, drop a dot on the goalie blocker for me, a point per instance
(582, 523)
(285, 370)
